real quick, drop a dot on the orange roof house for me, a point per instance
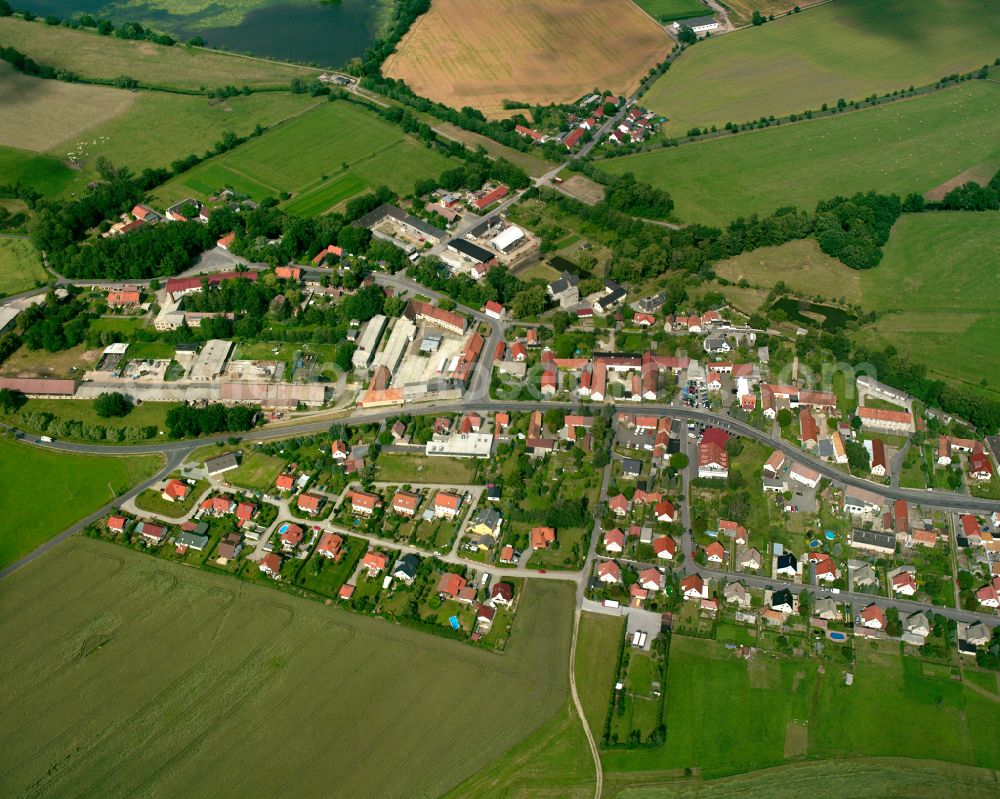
(541, 537)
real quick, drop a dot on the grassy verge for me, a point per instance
(44, 492)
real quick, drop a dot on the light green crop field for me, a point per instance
(936, 288)
(43, 492)
(125, 675)
(160, 128)
(107, 57)
(20, 267)
(554, 761)
(848, 49)
(911, 145)
(596, 659)
(725, 715)
(321, 158)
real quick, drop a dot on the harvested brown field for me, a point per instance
(583, 188)
(980, 173)
(39, 114)
(480, 52)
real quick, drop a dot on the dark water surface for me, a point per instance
(297, 30)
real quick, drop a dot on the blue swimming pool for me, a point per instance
(835, 635)
(453, 621)
(814, 543)
(829, 535)
(283, 528)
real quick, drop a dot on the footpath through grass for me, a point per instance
(44, 492)
(848, 49)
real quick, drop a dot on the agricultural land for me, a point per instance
(911, 145)
(846, 49)
(79, 123)
(116, 618)
(323, 158)
(934, 315)
(180, 67)
(44, 492)
(479, 53)
(749, 710)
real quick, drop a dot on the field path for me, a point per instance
(598, 770)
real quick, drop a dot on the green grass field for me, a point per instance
(667, 10)
(596, 659)
(554, 761)
(857, 778)
(20, 267)
(183, 670)
(160, 128)
(322, 158)
(142, 415)
(725, 715)
(45, 174)
(107, 57)
(256, 471)
(912, 145)
(801, 265)
(44, 492)
(152, 500)
(402, 469)
(942, 270)
(848, 49)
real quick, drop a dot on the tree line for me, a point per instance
(187, 421)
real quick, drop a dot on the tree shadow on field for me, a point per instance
(891, 19)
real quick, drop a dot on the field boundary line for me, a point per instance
(598, 770)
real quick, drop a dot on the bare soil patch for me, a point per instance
(480, 52)
(583, 188)
(980, 173)
(796, 739)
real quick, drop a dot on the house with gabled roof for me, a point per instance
(651, 579)
(309, 503)
(664, 547)
(541, 537)
(614, 541)
(609, 573)
(375, 562)
(270, 565)
(693, 587)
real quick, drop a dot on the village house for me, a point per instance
(405, 503)
(446, 505)
(664, 547)
(501, 595)
(614, 541)
(693, 587)
(309, 503)
(363, 503)
(330, 546)
(749, 560)
(609, 573)
(737, 594)
(374, 562)
(873, 617)
(651, 580)
(175, 490)
(541, 537)
(450, 585)
(270, 565)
